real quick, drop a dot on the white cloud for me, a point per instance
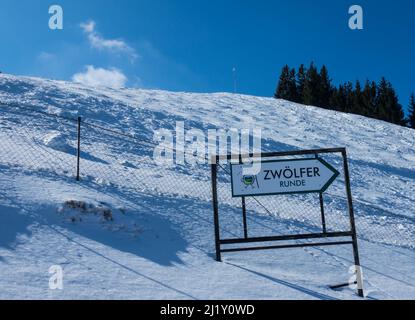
(46, 56)
(89, 26)
(113, 45)
(99, 77)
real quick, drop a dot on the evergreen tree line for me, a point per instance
(313, 87)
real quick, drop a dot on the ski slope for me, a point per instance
(134, 230)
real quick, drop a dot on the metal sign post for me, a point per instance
(292, 176)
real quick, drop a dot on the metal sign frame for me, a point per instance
(219, 243)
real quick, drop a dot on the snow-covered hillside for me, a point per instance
(132, 229)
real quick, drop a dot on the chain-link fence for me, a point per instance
(42, 143)
(46, 144)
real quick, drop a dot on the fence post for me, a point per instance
(214, 168)
(244, 208)
(78, 155)
(359, 279)
(323, 215)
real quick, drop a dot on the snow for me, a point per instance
(157, 242)
(57, 141)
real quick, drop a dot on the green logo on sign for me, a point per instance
(250, 181)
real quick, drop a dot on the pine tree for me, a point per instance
(311, 86)
(293, 86)
(369, 99)
(325, 88)
(301, 78)
(338, 99)
(357, 100)
(411, 119)
(397, 113)
(348, 97)
(387, 104)
(382, 101)
(281, 91)
(287, 88)
(334, 99)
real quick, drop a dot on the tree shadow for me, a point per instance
(403, 172)
(12, 225)
(124, 266)
(157, 240)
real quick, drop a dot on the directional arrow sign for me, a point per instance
(283, 177)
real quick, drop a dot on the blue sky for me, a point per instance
(193, 45)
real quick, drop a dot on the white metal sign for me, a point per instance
(283, 177)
